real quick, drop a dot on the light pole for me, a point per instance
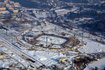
(46, 41)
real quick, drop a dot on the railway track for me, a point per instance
(33, 62)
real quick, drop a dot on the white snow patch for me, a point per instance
(92, 47)
(100, 64)
(52, 39)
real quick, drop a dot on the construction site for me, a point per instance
(44, 39)
(52, 41)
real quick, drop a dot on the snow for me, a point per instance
(46, 58)
(100, 64)
(92, 47)
(52, 39)
(35, 29)
(56, 46)
(62, 11)
(43, 43)
(42, 58)
(26, 64)
(1, 63)
(40, 14)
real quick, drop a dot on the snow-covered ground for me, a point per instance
(52, 39)
(92, 47)
(100, 64)
(40, 14)
(47, 58)
(62, 11)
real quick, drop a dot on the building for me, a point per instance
(9, 7)
(15, 11)
(4, 12)
(2, 9)
(16, 4)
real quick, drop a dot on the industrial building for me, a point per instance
(9, 7)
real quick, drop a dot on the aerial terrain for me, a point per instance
(52, 34)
